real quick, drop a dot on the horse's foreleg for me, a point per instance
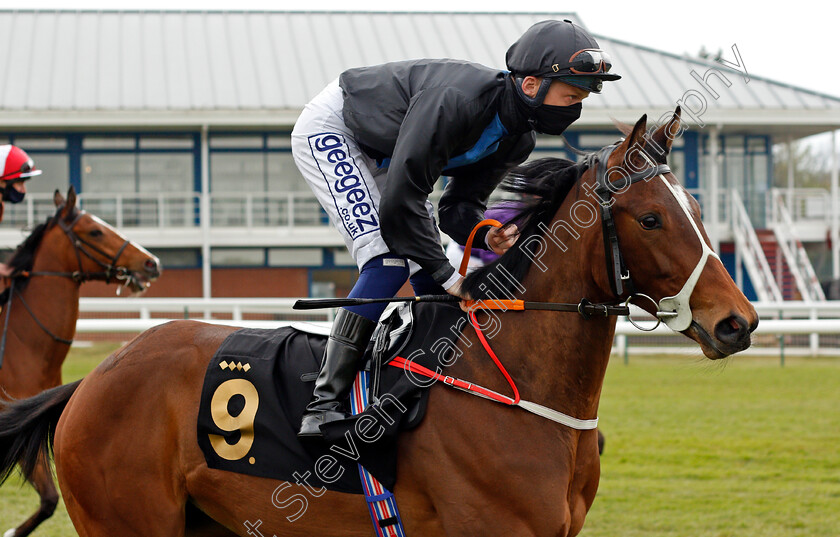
(42, 480)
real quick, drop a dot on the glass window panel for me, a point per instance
(41, 142)
(236, 142)
(166, 172)
(295, 257)
(283, 174)
(109, 173)
(237, 172)
(237, 257)
(166, 142)
(756, 145)
(282, 141)
(56, 174)
(759, 170)
(734, 171)
(178, 257)
(108, 142)
(734, 145)
(597, 141)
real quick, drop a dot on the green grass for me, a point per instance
(740, 448)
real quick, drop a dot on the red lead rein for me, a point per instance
(402, 363)
(474, 389)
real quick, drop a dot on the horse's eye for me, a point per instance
(650, 221)
(96, 233)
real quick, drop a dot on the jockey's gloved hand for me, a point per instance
(455, 290)
(500, 239)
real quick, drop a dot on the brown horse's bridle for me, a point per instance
(80, 247)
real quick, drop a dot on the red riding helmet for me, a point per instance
(15, 165)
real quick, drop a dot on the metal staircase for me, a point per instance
(796, 258)
(752, 253)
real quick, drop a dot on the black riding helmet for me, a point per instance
(559, 50)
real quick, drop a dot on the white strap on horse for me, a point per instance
(679, 303)
(558, 417)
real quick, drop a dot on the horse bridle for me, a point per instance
(675, 310)
(80, 247)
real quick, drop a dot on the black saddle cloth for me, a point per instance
(259, 382)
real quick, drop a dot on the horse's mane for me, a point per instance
(24, 255)
(543, 185)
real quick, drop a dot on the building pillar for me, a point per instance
(206, 287)
(790, 179)
(714, 206)
(835, 209)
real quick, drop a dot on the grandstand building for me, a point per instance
(174, 126)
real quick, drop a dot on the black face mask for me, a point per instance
(11, 194)
(548, 119)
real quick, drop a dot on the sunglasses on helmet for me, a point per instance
(27, 171)
(589, 62)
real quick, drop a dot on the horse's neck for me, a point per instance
(559, 359)
(54, 301)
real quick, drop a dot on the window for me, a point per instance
(178, 257)
(154, 176)
(295, 257)
(165, 172)
(109, 172)
(237, 257)
(237, 172)
(56, 168)
(31, 143)
(283, 175)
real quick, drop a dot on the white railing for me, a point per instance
(235, 308)
(289, 209)
(749, 249)
(809, 204)
(779, 320)
(797, 258)
(724, 207)
(168, 210)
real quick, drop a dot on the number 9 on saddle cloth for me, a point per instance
(259, 382)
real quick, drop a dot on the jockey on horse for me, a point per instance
(373, 143)
(15, 168)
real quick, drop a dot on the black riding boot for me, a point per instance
(348, 340)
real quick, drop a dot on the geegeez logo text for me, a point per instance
(346, 183)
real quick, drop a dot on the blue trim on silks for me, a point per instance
(486, 145)
(382, 507)
(381, 277)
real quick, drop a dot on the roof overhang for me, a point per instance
(778, 123)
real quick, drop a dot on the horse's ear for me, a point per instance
(635, 139)
(635, 136)
(58, 199)
(69, 210)
(664, 136)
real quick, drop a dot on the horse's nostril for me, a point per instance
(732, 330)
(151, 265)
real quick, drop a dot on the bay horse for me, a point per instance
(40, 307)
(125, 446)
